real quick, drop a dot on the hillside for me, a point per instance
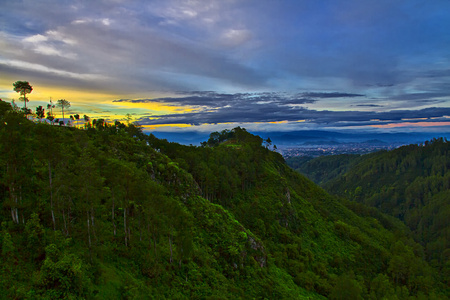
(309, 214)
(323, 168)
(411, 183)
(109, 213)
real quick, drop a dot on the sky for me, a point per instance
(206, 65)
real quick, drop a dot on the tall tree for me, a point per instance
(63, 103)
(128, 118)
(23, 88)
(50, 108)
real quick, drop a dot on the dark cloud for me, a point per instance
(331, 95)
(368, 105)
(217, 100)
(273, 107)
(215, 108)
(381, 85)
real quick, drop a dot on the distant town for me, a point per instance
(345, 148)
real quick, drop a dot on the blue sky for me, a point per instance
(208, 65)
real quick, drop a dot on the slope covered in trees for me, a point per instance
(323, 168)
(411, 183)
(293, 216)
(110, 213)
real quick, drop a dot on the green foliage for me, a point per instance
(109, 212)
(323, 168)
(40, 112)
(347, 287)
(23, 88)
(61, 275)
(34, 233)
(411, 183)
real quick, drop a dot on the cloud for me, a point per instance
(320, 62)
(423, 97)
(37, 38)
(125, 43)
(216, 108)
(271, 113)
(235, 37)
(174, 44)
(368, 105)
(331, 95)
(216, 100)
(43, 69)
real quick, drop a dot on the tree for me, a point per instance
(23, 88)
(50, 108)
(87, 120)
(128, 118)
(61, 275)
(77, 117)
(213, 139)
(50, 117)
(63, 103)
(15, 158)
(347, 287)
(40, 112)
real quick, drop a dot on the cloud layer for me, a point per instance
(333, 62)
(214, 108)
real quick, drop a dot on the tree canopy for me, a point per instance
(23, 88)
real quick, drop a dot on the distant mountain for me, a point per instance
(311, 137)
(296, 138)
(182, 137)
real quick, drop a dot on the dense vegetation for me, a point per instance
(411, 183)
(323, 168)
(109, 212)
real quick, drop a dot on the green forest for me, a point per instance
(109, 212)
(411, 183)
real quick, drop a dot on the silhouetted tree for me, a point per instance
(23, 88)
(63, 103)
(40, 112)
